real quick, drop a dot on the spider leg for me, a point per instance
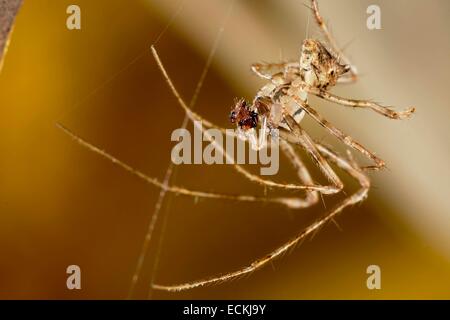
(263, 134)
(312, 197)
(191, 114)
(251, 177)
(355, 198)
(258, 142)
(290, 202)
(299, 136)
(385, 111)
(319, 20)
(349, 141)
(269, 70)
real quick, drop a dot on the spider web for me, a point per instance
(171, 171)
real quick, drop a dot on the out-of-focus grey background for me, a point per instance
(61, 204)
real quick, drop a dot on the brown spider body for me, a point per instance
(317, 68)
(325, 66)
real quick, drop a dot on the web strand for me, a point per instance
(171, 169)
(127, 66)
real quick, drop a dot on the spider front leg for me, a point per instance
(355, 198)
(385, 111)
(270, 70)
(349, 141)
(290, 202)
(312, 197)
(304, 140)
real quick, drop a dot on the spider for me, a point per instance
(277, 109)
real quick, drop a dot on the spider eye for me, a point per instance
(332, 72)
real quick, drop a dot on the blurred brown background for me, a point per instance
(60, 204)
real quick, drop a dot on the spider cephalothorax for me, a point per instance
(242, 115)
(321, 63)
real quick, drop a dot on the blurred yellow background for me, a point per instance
(60, 204)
